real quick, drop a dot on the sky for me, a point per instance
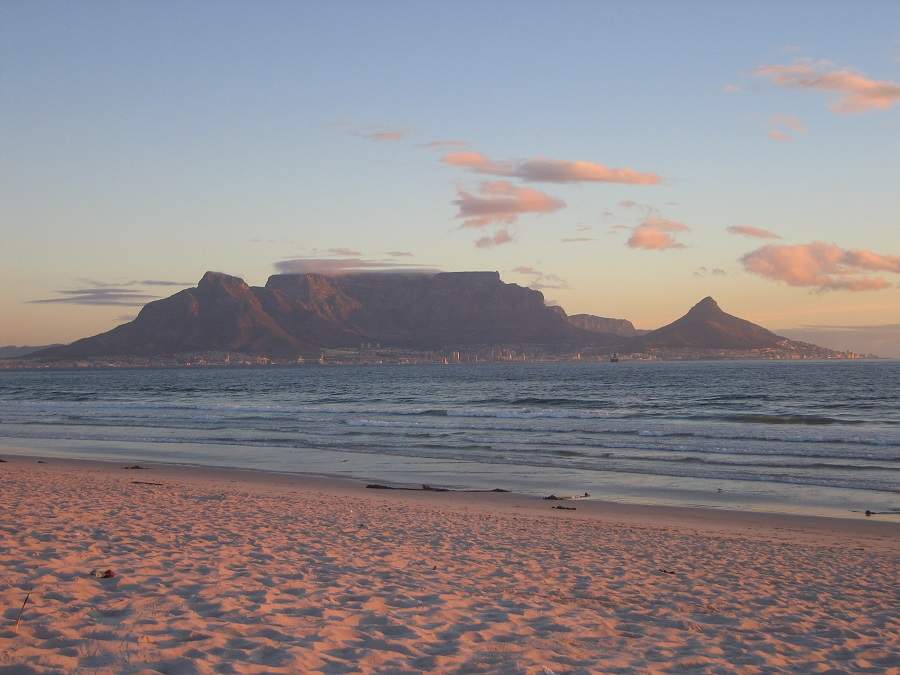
(626, 159)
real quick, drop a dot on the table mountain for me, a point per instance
(297, 314)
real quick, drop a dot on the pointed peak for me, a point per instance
(706, 303)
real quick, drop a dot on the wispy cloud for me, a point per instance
(132, 293)
(750, 231)
(731, 88)
(783, 127)
(163, 282)
(501, 202)
(822, 266)
(342, 251)
(445, 144)
(853, 91)
(714, 271)
(95, 283)
(399, 254)
(381, 135)
(540, 280)
(124, 297)
(573, 240)
(549, 170)
(343, 266)
(500, 237)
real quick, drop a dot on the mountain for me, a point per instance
(706, 326)
(600, 324)
(298, 314)
(14, 351)
(221, 314)
(301, 314)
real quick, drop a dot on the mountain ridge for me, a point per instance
(296, 315)
(299, 314)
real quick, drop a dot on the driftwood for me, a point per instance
(554, 498)
(425, 487)
(19, 617)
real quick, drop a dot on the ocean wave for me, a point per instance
(810, 420)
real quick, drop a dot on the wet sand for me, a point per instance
(237, 571)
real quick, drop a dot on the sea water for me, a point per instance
(806, 437)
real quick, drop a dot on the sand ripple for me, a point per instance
(230, 576)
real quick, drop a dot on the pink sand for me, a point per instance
(230, 571)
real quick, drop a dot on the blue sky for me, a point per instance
(155, 141)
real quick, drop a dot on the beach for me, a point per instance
(218, 570)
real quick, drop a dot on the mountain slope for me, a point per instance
(221, 313)
(298, 314)
(706, 326)
(15, 351)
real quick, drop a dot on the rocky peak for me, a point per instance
(706, 307)
(219, 281)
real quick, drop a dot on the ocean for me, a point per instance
(800, 437)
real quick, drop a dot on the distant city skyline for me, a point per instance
(626, 161)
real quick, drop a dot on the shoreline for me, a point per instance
(763, 523)
(417, 471)
(14, 365)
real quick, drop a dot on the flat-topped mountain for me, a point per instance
(706, 326)
(296, 314)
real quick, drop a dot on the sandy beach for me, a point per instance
(236, 571)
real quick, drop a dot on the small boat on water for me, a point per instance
(614, 357)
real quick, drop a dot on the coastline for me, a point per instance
(357, 469)
(249, 361)
(250, 571)
(818, 528)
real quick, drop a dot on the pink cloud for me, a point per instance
(448, 143)
(821, 265)
(731, 88)
(499, 238)
(855, 92)
(784, 127)
(501, 202)
(657, 234)
(750, 231)
(549, 170)
(386, 135)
